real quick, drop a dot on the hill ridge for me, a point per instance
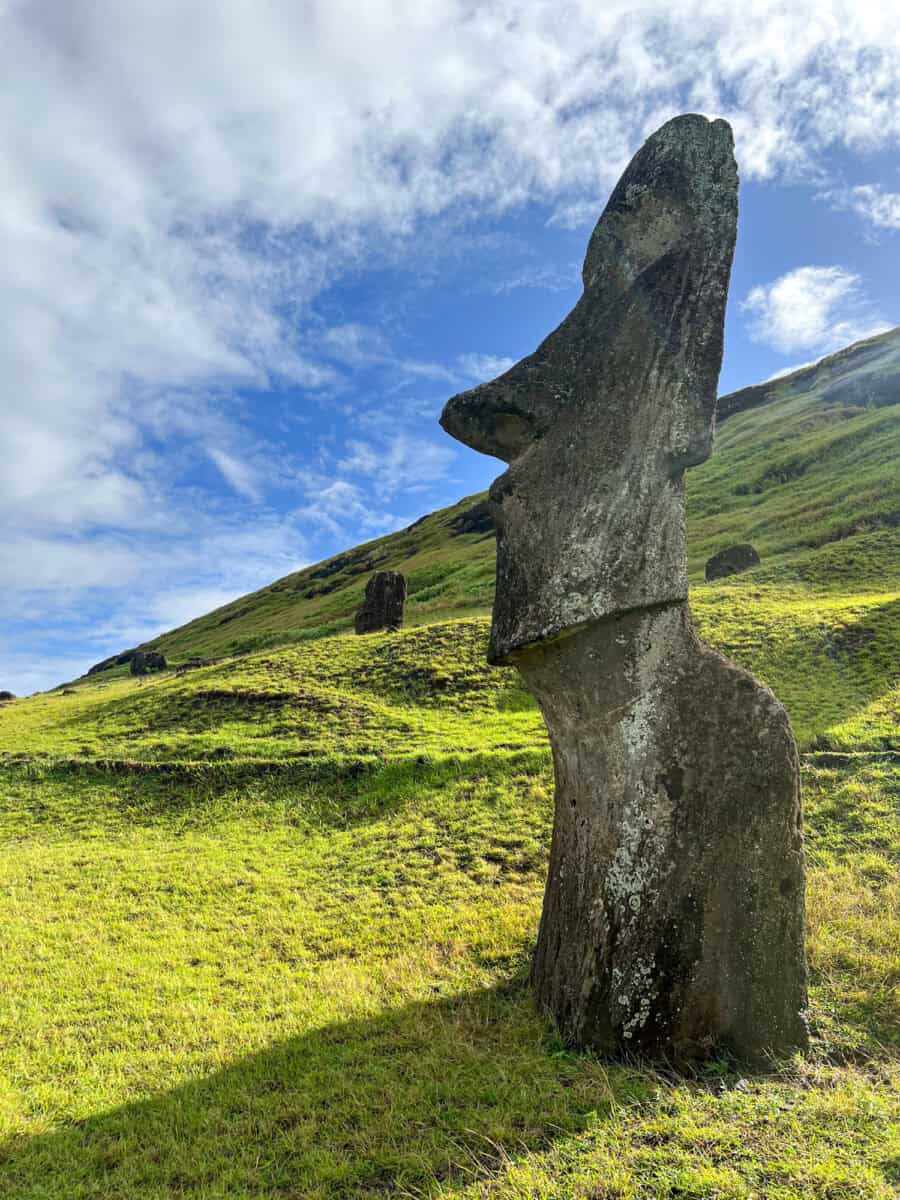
(801, 462)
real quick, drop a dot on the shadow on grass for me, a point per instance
(432, 1093)
(336, 792)
(826, 670)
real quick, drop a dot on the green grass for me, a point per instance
(266, 925)
(221, 984)
(810, 479)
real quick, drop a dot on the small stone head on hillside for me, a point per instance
(600, 422)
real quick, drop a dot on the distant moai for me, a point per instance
(731, 561)
(384, 603)
(143, 662)
(673, 920)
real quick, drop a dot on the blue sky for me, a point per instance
(251, 248)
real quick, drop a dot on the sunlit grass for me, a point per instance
(266, 925)
(224, 986)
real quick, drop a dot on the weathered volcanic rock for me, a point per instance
(673, 920)
(384, 603)
(731, 561)
(103, 665)
(615, 403)
(145, 661)
(678, 812)
(477, 519)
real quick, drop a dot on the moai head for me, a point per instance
(600, 422)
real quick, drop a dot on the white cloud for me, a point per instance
(336, 504)
(356, 345)
(29, 673)
(484, 367)
(183, 178)
(873, 204)
(240, 475)
(72, 602)
(576, 214)
(811, 308)
(397, 463)
(549, 277)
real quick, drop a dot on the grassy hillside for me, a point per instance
(266, 930)
(817, 463)
(266, 923)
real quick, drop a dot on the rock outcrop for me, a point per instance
(673, 919)
(114, 660)
(104, 665)
(477, 519)
(384, 603)
(731, 561)
(7, 696)
(143, 662)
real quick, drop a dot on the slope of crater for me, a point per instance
(804, 467)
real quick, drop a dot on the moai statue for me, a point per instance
(384, 603)
(673, 919)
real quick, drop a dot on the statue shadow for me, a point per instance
(857, 658)
(400, 1102)
(319, 792)
(417, 1100)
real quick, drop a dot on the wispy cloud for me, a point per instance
(339, 505)
(355, 345)
(877, 207)
(576, 214)
(183, 183)
(240, 475)
(549, 277)
(815, 308)
(74, 602)
(484, 367)
(401, 463)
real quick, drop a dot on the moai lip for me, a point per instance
(673, 919)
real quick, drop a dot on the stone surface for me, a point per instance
(384, 603)
(673, 919)
(7, 696)
(731, 561)
(477, 519)
(143, 662)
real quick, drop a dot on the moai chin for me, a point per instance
(673, 918)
